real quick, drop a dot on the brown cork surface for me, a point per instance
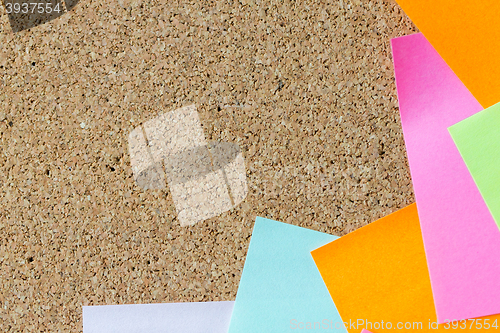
(305, 89)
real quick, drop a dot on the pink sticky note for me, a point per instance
(365, 331)
(462, 241)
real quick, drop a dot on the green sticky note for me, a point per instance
(478, 140)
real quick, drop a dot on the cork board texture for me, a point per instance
(305, 90)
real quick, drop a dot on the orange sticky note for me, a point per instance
(465, 33)
(378, 278)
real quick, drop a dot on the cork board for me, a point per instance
(305, 89)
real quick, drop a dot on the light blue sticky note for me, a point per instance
(281, 289)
